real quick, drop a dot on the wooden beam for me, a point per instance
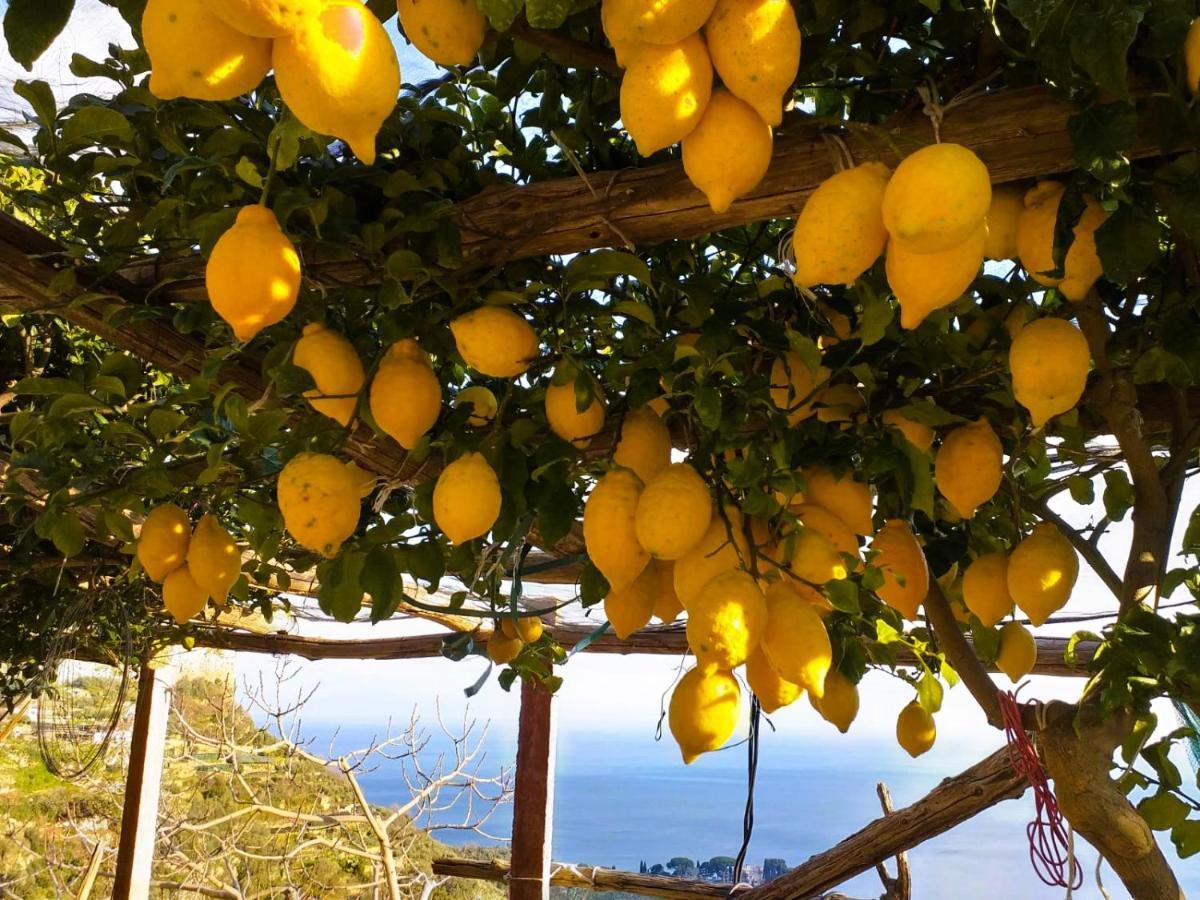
(533, 795)
(589, 878)
(139, 819)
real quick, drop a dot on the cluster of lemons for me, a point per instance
(191, 565)
(670, 49)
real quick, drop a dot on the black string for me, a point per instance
(751, 772)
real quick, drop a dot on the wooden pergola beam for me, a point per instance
(589, 878)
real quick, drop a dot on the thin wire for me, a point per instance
(751, 774)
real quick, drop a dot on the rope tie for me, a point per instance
(1051, 851)
(751, 774)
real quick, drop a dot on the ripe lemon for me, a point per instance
(664, 93)
(1018, 651)
(502, 649)
(528, 629)
(495, 341)
(1041, 573)
(755, 47)
(163, 542)
(610, 531)
(728, 153)
(567, 420)
(466, 498)
(265, 18)
(1049, 361)
(795, 640)
(725, 623)
(405, 397)
(839, 403)
(624, 47)
(338, 73)
(334, 365)
(1191, 53)
(985, 588)
(364, 480)
(969, 466)
(915, 729)
(253, 274)
(666, 602)
(772, 691)
(1018, 317)
(193, 53)
(182, 597)
(655, 21)
(449, 32)
(482, 403)
(793, 386)
(319, 498)
(919, 435)
(938, 198)
(925, 282)
(213, 558)
(1007, 205)
(1081, 266)
(703, 711)
(630, 608)
(905, 572)
(848, 499)
(839, 705)
(821, 544)
(674, 512)
(721, 549)
(644, 445)
(839, 233)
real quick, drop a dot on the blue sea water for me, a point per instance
(624, 799)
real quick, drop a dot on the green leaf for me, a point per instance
(843, 594)
(639, 311)
(1186, 838)
(930, 693)
(1164, 811)
(593, 587)
(920, 470)
(38, 95)
(91, 123)
(1035, 15)
(426, 562)
(1118, 494)
(708, 406)
(248, 172)
(341, 594)
(382, 580)
(1156, 364)
(1100, 39)
(1101, 134)
(30, 26)
(46, 386)
(67, 533)
(547, 13)
(806, 348)
(501, 13)
(877, 315)
(1128, 243)
(592, 271)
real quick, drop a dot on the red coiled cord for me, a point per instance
(1049, 844)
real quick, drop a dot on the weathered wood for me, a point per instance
(949, 804)
(533, 795)
(592, 878)
(88, 884)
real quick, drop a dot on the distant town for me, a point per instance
(717, 869)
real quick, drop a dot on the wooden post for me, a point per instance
(139, 820)
(533, 799)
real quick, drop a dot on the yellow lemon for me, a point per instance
(610, 530)
(1191, 53)
(664, 93)
(253, 274)
(1041, 573)
(703, 711)
(466, 498)
(915, 729)
(969, 466)
(1081, 266)
(793, 385)
(772, 691)
(1018, 317)
(925, 282)
(839, 705)
(722, 549)
(629, 609)
(1007, 205)
(794, 639)
(338, 73)
(655, 21)
(839, 233)
(482, 403)
(985, 588)
(938, 198)
(502, 649)
(624, 47)
(919, 435)
(1049, 361)
(408, 348)
(725, 623)
(335, 368)
(1018, 651)
(449, 32)
(265, 18)
(905, 572)
(182, 597)
(821, 545)
(848, 499)
(163, 542)
(405, 397)
(666, 602)
(213, 558)
(528, 629)
(495, 341)
(319, 498)
(193, 53)
(674, 512)
(644, 445)
(567, 420)
(728, 153)
(839, 403)
(755, 47)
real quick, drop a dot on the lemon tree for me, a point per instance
(260, 317)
